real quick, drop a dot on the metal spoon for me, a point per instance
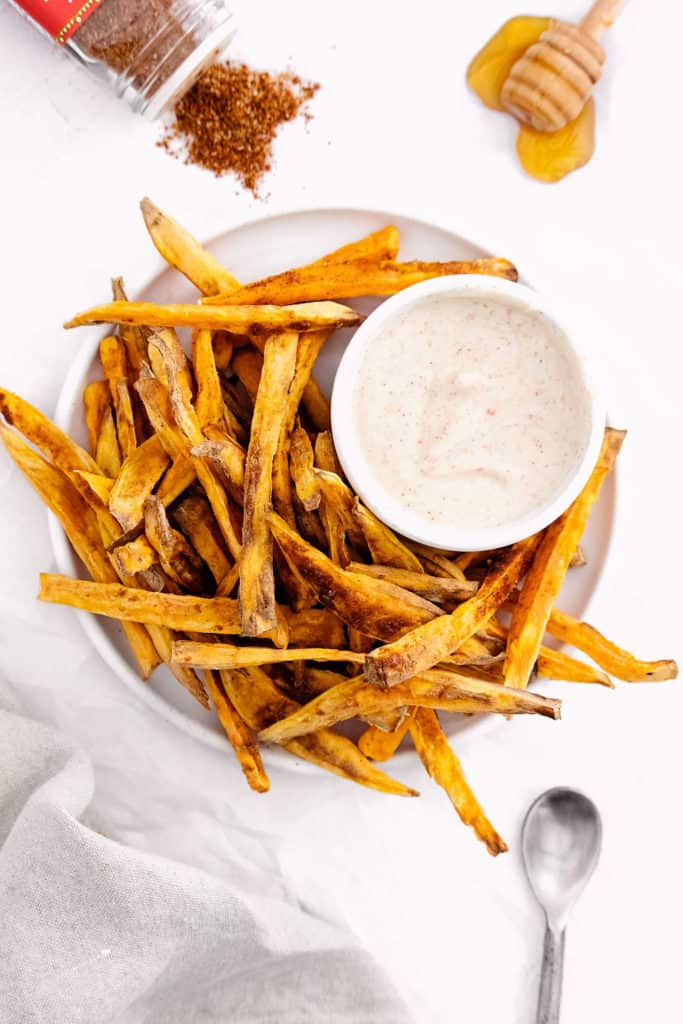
(561, 838)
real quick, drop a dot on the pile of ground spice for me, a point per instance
(230, 116)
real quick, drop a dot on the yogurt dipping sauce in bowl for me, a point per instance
(463, 413)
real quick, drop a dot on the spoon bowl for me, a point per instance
(561, 840)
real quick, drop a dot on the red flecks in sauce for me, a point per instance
(471, 410)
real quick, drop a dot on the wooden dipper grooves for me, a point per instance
(551, 82)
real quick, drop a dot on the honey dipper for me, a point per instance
(552, 81)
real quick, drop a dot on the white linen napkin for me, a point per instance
(95, 931)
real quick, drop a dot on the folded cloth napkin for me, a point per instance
(93, 931)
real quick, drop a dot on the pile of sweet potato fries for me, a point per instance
(216, 524)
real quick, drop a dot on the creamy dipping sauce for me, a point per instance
(471, 410)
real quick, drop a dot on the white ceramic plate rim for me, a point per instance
(63, 553)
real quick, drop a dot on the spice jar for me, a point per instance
(150, 52)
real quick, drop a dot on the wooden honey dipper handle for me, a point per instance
(600, 17)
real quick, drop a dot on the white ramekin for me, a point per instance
(351, 454)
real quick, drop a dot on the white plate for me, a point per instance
(252, 251)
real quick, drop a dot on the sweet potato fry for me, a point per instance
(80, 525)
(436, 562)
(338, 496)
(301, 462)
(176, 611)
(314, 627)
(108, 450)
(260, 702)
(38, 429)
(226, 455)
(178, 559)
(133, 337)
(100, 485)
(257, 580)
(252, 320)
(608, 655)
(193, 516)
(240, 736)
(549, 568)
(552, 664)
(380, 245)
(384, 545)
(316, 406)
(115, 366)
(209, 398)
(139, 475)
(442, 590)
(447, 691)
(157, 404)
(229, 581)
(96, 398)
(380, 745)
(180, 250)
(353, 278)
(223, 347)
(133, 557)
(371, 606)
(433, 641)
(178, 477)
(444, 767)
(248, 366)
(229, 656)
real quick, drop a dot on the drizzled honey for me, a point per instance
(547, 156)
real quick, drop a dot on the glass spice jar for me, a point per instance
(150, 52)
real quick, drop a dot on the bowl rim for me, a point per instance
(361, 476)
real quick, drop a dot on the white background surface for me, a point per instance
(394, 128)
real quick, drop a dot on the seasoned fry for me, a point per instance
(178, 247)
(101, 486)
(260, 702)
(432, 642)
(137, 479)
(314, 627)
(178, 559)
(372, 606)
(442, 590)
(384, 545)
(107, 450)
(351, 279)
(447, 691)
(209, 399)
(435, 562)
(248, 366)
(133, 557)
(552, 664)
(115, 367)
(177, 612)
(549, 568)
(178, 477)
(194, 517)
(240, 736)
(444, 767)
(257, 581)
(80, 525)
(609, 656)
(225, 454)
(380, 745)
(229, 656)
(96, 398)
(316, 406)
(379, 245)
(252, 320)
(134, 338)
(301, 462)
(229, 581)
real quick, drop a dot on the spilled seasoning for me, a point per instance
(229, 118)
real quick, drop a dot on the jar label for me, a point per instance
(61, 18)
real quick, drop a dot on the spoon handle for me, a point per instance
(550, 992)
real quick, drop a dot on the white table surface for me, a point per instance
(394, 128)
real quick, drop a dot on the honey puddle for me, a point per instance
(547, 156)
